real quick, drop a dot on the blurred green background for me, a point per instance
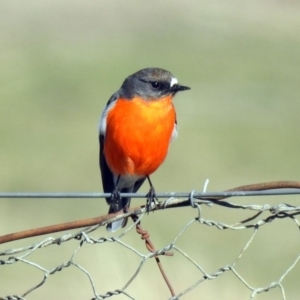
(60, 63)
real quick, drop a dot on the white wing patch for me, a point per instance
(102, 122)
(173, 81)
(174, 132)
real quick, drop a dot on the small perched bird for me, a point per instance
(135, 131)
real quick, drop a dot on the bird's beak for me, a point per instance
(178, 88)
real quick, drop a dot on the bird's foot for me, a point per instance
(115, 199)
(151, 199)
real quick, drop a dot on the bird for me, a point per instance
(135, 131)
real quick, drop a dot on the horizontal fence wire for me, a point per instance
(158, 195)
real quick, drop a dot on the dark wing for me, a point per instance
(106, 173)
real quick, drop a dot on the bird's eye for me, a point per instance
(156, 85)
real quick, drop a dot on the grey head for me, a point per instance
(150, 84)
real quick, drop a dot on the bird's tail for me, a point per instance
(114, 208)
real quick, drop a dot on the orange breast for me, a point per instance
(138, 134)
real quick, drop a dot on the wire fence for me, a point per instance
(189, 233)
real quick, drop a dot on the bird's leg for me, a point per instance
(151, 196)
(115, 196)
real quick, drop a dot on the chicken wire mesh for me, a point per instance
(93, 239)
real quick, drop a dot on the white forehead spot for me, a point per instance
(173, 81)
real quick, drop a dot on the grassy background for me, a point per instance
(62, 60)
